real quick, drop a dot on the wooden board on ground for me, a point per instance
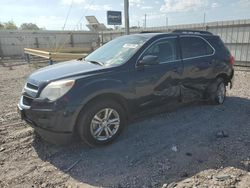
(62, 55)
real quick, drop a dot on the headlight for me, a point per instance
(57, 89)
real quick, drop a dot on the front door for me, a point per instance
(158, 82)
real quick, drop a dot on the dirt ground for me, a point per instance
(196, 145)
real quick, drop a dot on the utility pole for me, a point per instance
(204, 20)
(145, 20)
(166, 21)
(126, 15)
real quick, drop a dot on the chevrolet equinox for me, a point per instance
(94, 97)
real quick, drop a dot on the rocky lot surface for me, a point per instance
(196, 145)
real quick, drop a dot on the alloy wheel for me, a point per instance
(105, 124)
(221, 92)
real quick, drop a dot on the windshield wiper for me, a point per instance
(96, 62)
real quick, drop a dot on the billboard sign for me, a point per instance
(114, 17)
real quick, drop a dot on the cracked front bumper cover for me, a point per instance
(54, 137)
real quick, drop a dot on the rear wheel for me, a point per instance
(218, 96)
(101, 122)
(220, 93)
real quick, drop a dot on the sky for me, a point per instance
(52, 14)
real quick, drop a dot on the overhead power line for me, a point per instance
(84, 13)
(65, 22)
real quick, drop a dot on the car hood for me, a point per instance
(64, 70)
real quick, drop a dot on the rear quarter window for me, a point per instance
(192, 47)
(219, 45)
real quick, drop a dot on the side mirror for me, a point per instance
(149, 60)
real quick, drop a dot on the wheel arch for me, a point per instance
(105, 96)
(225, 77)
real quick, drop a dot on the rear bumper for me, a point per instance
(46, 124)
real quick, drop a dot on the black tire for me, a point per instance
(218, 95)
(86, 117)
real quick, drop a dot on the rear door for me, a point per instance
(155, 83)
(198, 59)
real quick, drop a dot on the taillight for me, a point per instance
(232, 60)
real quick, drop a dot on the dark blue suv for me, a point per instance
(94, 97)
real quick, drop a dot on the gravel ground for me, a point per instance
(196, 145)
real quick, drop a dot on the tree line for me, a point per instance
(25, 26)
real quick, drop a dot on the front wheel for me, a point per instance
(101, 122)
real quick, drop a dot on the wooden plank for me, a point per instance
(67, 49)
(73, 50)
(36, 51)
(55, 56)
(67, 56)
(39, 53)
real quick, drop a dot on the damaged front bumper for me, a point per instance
(51, 124)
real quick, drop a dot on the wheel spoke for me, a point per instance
(114, 121)
(106, 113)
(110, 113)
(98, 131)
(107, 132)
(96, 120)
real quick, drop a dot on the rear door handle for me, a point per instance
(212, 62)
(177, 69)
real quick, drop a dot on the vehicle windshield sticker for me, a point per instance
(130, 45)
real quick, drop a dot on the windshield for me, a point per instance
(117, 51)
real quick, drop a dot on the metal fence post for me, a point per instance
(50, 62)
(27, 57)
(242, 41)
(236, 43)
(1, 51)
(248, 44)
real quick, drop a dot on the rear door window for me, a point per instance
(193, 47)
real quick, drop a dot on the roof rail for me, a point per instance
(185, 31)
(149, 32)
